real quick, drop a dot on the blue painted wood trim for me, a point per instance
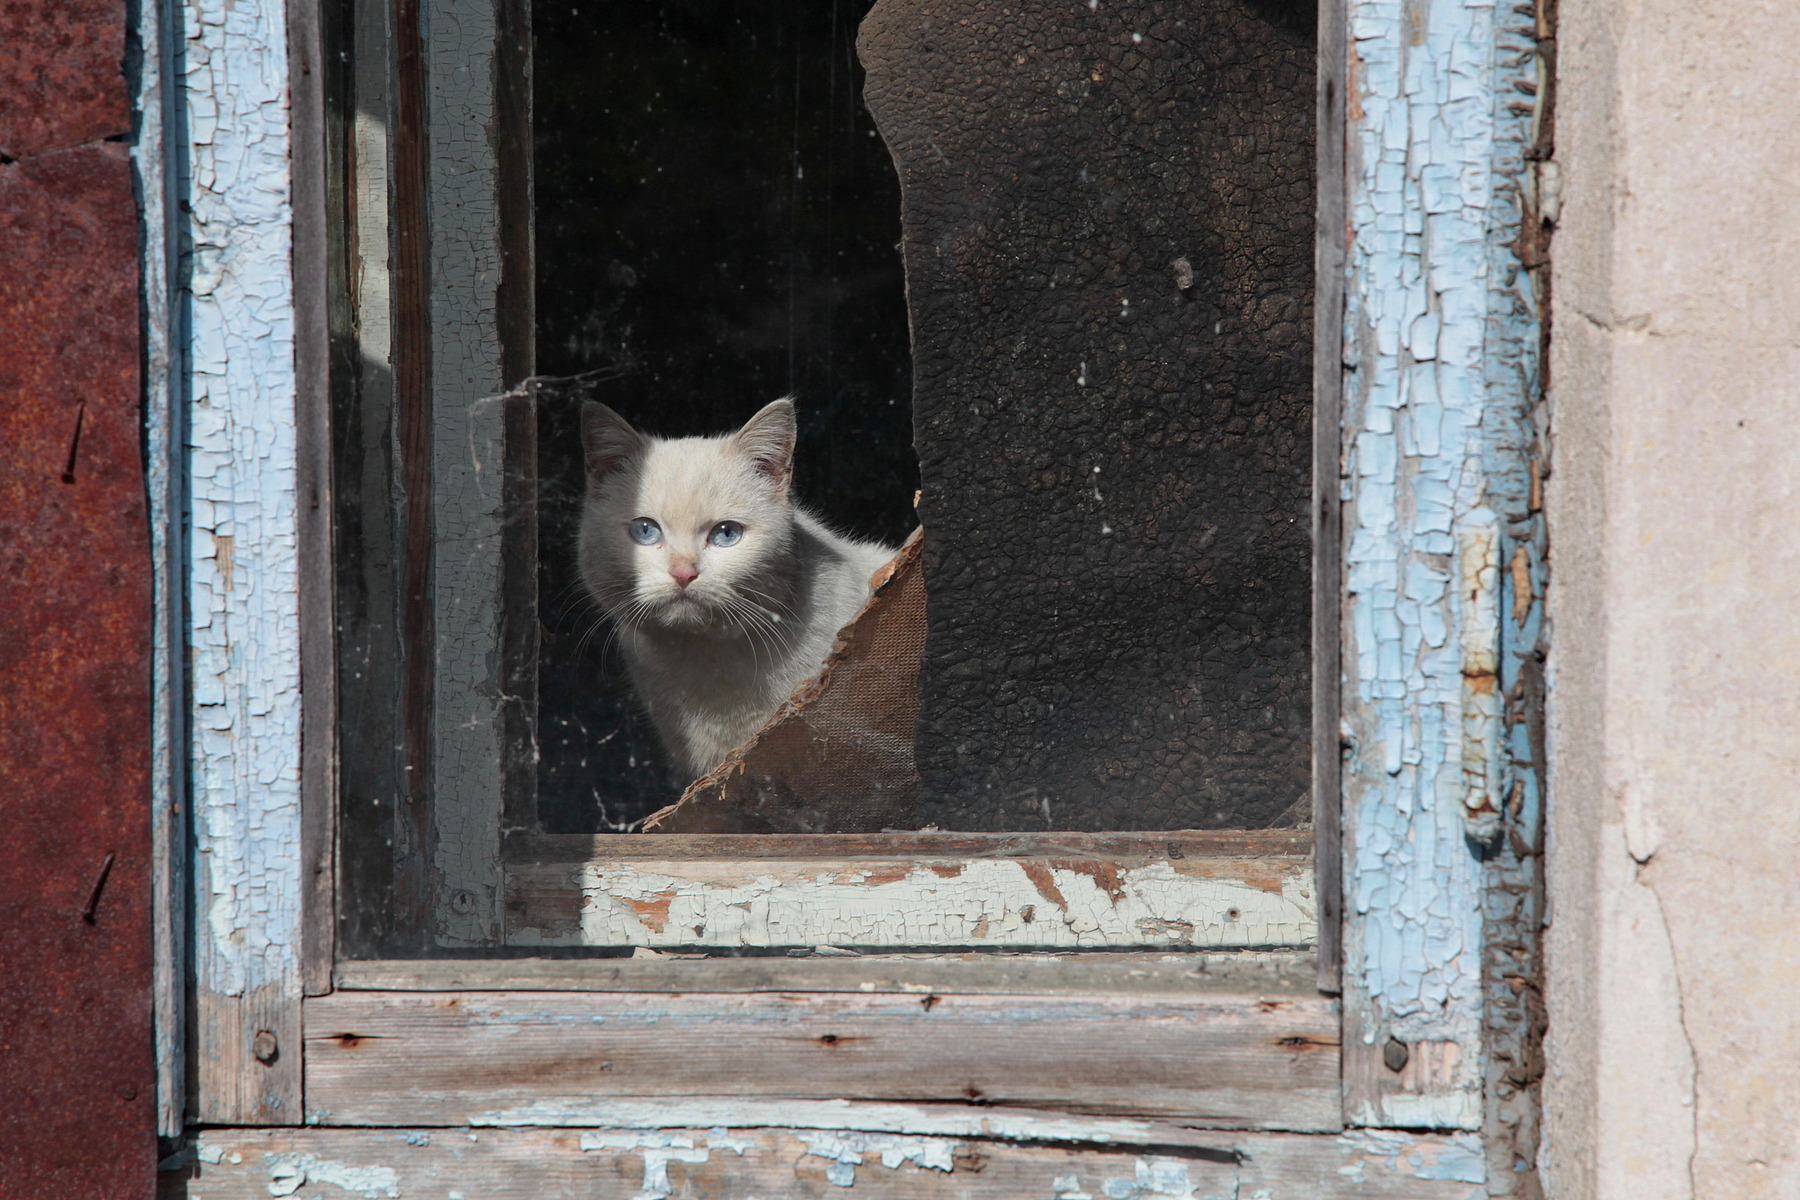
(1441, 344)
(242, 595)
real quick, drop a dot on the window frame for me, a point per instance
(461, 895)
(271, 793)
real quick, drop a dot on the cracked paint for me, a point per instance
(985, 903)
(658, 1164)
(242, 598)
(288, 1173)
(1441, 339)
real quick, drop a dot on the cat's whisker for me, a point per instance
(768, 603)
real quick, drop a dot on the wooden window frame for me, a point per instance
(274, 1029)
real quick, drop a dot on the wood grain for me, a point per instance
(313, 243)
(1123, 847)
(387, 1058)
(1327, 529)
(1277, 974)
(577, 1164)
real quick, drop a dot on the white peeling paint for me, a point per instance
(1456, 1159)
(633, 1116)
(845, 1152)
(153, 159)
(289, 1172)
(243, 614)
(983, 902)
(1152, 1177)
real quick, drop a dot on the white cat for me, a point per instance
(725, 594)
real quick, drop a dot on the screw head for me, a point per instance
(1395, 1054)
(264, 1047)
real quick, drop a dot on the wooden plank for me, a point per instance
(1367, 1163)
(652, 1164)
(312, 407)
(159, 216)
(243, 569)
(1440, 329)
(1122, 847)
(1327, 533)
(467, 459)
(410, 349)
(386, 1058)
(515, 314)
(1095, 903)
(1265, 974)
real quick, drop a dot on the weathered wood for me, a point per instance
(158, 217)
(1388, 1082)
(913, 901)
(1124, 847)
(243, 565)
(314, 238)
(1265, 974)
(1327, 530)
(1441, 329)
(1362, 1163)
(467, 455)
(385, 1058)
(245, 1054)
(651, 1164)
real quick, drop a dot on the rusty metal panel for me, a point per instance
(62, 74)
(76, 1064)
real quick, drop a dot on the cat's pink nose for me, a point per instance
(683, 573)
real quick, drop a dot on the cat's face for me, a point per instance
(688, 533)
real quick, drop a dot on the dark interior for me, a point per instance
(717, 223)
(1108, 229)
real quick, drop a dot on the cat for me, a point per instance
(724, 593)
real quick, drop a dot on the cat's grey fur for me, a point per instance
(713, 660)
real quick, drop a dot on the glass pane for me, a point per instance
(716, 221)
(1026, 553)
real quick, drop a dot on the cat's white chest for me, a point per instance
(708, 696)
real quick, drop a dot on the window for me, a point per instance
(486, 917)
(1098, 649)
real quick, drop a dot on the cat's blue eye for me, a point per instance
(725, 533)
(645, 532)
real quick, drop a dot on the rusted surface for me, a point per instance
(62, 79)
(76, 1067)
(838, 757)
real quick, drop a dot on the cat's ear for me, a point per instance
(767, 440)
(607, 440)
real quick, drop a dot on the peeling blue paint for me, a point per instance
(242, 539)
(1441, 340)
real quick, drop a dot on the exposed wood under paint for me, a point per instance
(1328, 467)
(576, 1164)
(1441, 332)
(1277, 974)
(242, 567)
(1053, 904)
(1175, 890)
(384, 1058)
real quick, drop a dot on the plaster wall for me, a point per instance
(1674, 951)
